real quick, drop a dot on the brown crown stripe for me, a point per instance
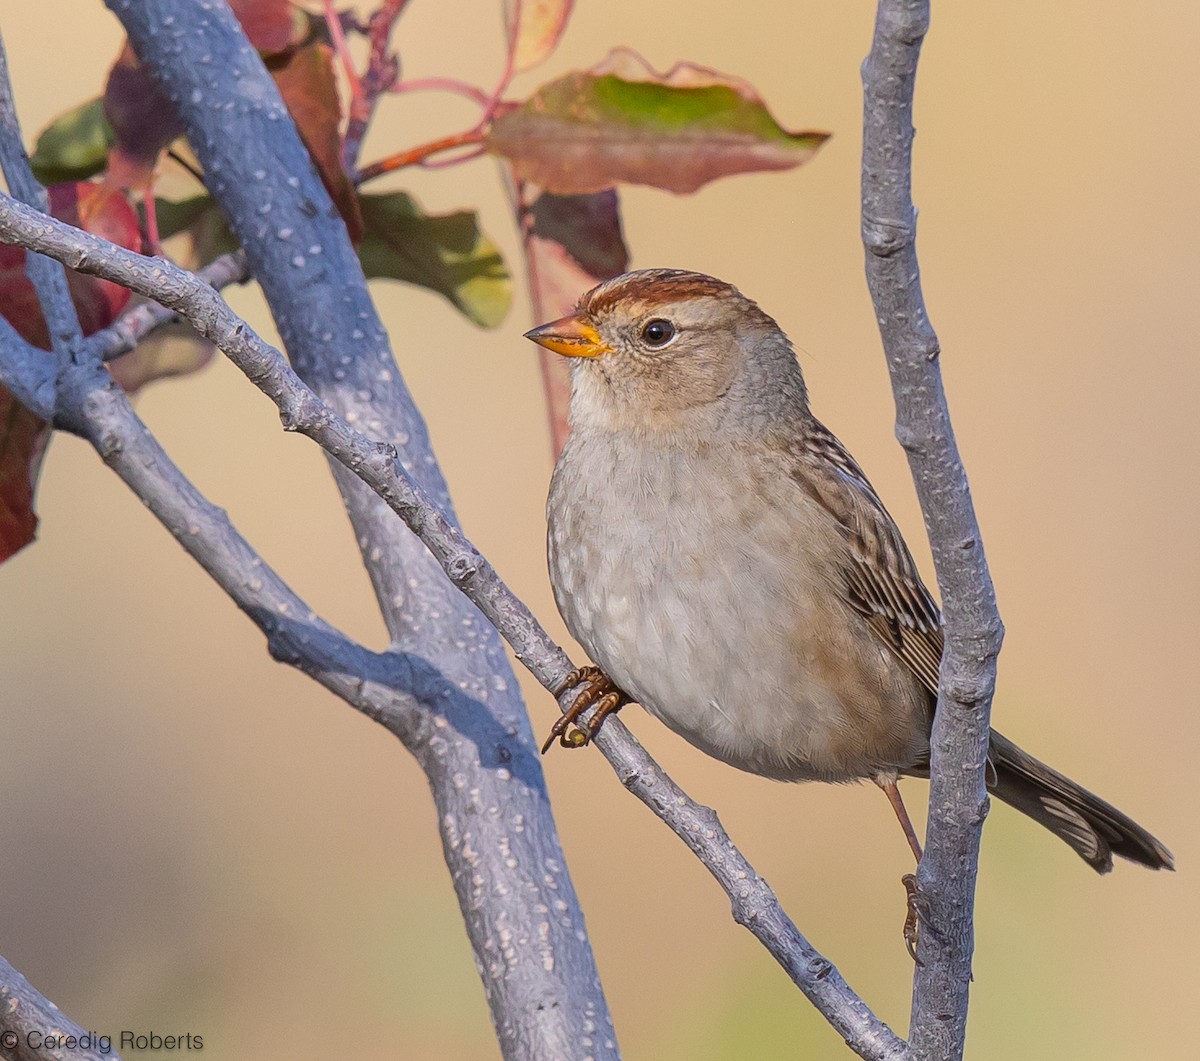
(652, 287)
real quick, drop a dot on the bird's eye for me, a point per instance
(657, 333)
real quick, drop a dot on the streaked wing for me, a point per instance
(881, 580)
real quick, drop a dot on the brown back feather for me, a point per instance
(881, 580)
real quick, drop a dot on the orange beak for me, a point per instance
(570, 336)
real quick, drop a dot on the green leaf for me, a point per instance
(74, 146)
(623, 123)
(202, 220)
(446, 253)
(174, 217)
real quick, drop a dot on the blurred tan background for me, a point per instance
(196, 839)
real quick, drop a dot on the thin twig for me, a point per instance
(183, 163)
(957, 795)
(475, 135)
(454, 160)
(443, 84)
(417, 155)
(510, 59)
(380, 75)
(755, 905)
(336, 34)
(132, 326)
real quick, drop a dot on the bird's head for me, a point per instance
(664, 349)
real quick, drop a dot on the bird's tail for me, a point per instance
(1095, 829)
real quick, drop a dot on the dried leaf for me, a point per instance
(446, 253)
(572, 243)
(74, 146)
(541, 24)
(306, 81)
(623, 123)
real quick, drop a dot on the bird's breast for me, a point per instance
(699, 580)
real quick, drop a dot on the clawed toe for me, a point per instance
(600, 692)
(912, 917)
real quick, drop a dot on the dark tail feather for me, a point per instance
(1095, 829)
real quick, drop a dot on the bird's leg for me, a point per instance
(892, 791)
(912, 920)
(600, 691)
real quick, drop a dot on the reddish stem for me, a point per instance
(336, 34)
(510, 55)
(417, 155)
(442, 163)
(380, 76)
(444, 84)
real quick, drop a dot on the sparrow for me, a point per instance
(726, 564)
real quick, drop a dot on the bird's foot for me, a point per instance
(912, 917)
(600, 692)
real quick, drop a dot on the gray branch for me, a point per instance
(755, 904)
(390, 687)
(32, 1028)
(26, 371)
(958, 799)
(525, 924)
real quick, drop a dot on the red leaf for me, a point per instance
(18, 300)
(23, 438)
(306, 81)
(142, 120)
(105, 212)
(621, 122)
(98, 209)
(268, 24)
(572, 243)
